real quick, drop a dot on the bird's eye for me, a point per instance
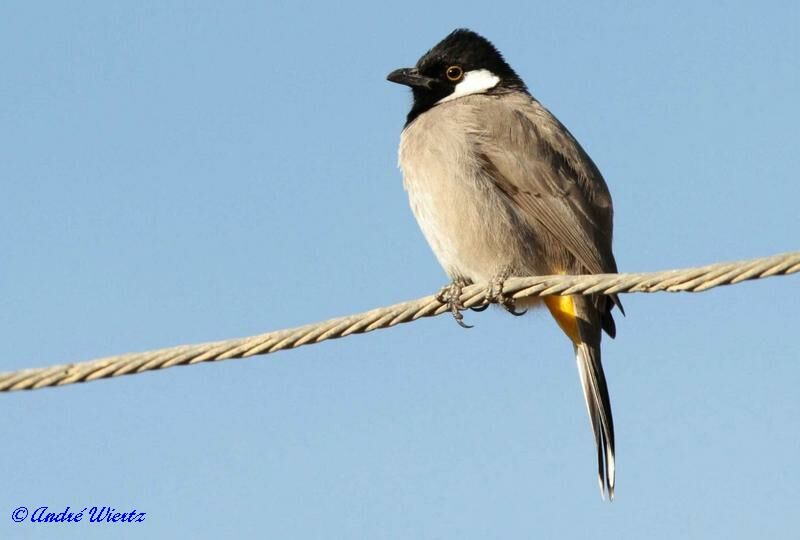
(454, 73)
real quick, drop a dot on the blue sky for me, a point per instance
(178, 172)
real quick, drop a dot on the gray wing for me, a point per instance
(540, 166)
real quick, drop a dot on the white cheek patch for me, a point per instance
(477, 81)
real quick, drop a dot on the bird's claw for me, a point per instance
(495, 295)
(451, 296)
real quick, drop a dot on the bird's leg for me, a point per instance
(483, 307)
(451, 295)
(495, 295)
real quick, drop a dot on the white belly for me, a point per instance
(467, 221)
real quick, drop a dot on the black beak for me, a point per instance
(410, 77)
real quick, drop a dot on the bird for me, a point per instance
(499, 187)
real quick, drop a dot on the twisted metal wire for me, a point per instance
(684, 280)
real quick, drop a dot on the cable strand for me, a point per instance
(685, 280)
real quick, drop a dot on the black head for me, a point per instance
(462, 63)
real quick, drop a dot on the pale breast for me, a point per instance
(467, 221)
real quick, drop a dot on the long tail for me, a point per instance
(595, 392)
(581, 321)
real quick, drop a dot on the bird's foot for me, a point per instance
(495, 295)
(451, 296)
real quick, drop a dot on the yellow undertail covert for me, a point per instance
(562, 308)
